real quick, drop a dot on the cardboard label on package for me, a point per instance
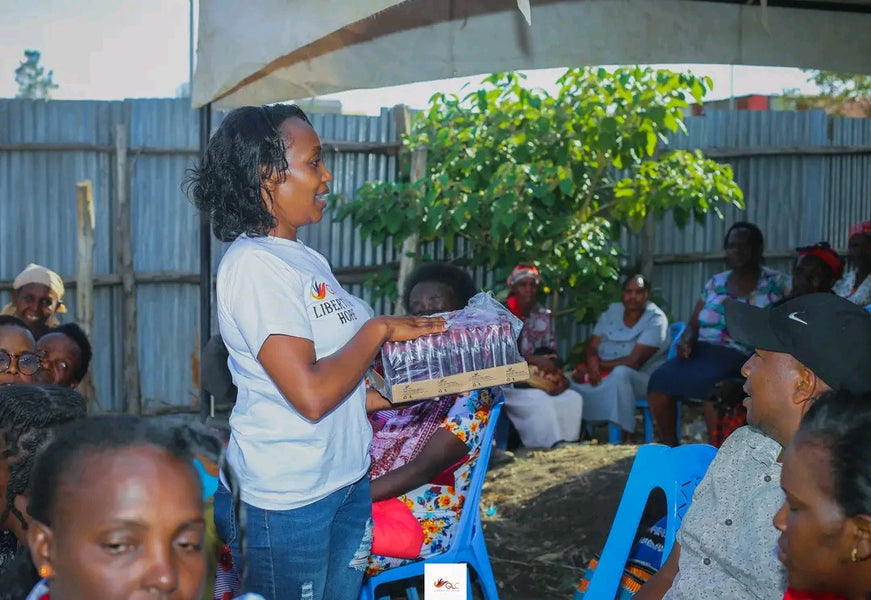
(457, 384)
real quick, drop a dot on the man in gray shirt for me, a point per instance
(725, 547)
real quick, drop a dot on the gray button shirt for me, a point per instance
(727, 539)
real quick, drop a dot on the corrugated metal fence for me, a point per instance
(805, 176)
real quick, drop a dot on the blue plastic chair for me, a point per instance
(209, 481)
(468, 545)
(677, 472)
(675, 330)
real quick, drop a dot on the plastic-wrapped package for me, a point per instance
(481, 340)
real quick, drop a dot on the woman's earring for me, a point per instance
(855, 555)
(45, 571)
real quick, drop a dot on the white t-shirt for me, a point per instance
(272, 286)
(618, 340)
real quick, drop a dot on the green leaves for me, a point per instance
(525, 176)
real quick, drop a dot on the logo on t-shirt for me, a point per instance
(319, 290)
(340, 308)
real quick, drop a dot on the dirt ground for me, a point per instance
(547, 512)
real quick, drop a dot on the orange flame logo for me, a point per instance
(319, 290)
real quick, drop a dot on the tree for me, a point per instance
(31, 78)
(524, 176)
(840, 93)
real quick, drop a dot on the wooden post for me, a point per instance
(85, 276)
(130, 355)
(85, 257)
(648, 245)
(408, 258)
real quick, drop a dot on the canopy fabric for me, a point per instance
(262, 51)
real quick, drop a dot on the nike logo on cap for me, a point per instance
(793, 316)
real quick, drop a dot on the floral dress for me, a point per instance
(771, 287)
(437, 505)
(537, 331)
(846, 287)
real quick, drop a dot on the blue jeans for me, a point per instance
(316, 552)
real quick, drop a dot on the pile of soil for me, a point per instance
(547, 512)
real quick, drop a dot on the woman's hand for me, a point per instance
(685, 344)
(594, 369)
(400, 329)
(580, 373)
(545, 362)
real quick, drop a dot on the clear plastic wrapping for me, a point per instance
(481, 336)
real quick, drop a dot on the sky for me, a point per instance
(112, 49)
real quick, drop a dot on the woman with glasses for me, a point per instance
(18, 358)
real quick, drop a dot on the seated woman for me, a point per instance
(629, 341)
(542, 418)
(855, 285)
(424, 454)
(19, 361)
(37, 295)
(816, 268)
(706, 351)
(147, 538)
(29, 414)
(825, 522)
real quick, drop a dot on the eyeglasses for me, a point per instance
(28, 362)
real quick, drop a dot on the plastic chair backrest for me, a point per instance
(209, 481)
(675, 330)
(676, 471)
(465, 528)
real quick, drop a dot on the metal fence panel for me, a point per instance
(795, 198)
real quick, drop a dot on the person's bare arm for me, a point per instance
(639, 355)
(375, 401)
(441, 451)
(690, 336)
(315, 387)
(662, 580)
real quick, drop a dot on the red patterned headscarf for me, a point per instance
(521, 272)
(862, 227)
(827, 254)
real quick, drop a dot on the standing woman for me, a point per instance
(299, 346)
(855, 285)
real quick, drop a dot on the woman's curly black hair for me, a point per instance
(227, 184)
(439, 272)
(29, 415)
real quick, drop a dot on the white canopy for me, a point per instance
(262, 51)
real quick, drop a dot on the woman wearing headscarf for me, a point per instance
(855, 285)
(37, 294)
(552, 414)
(817, 268)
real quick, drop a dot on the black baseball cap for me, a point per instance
(826, 333)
